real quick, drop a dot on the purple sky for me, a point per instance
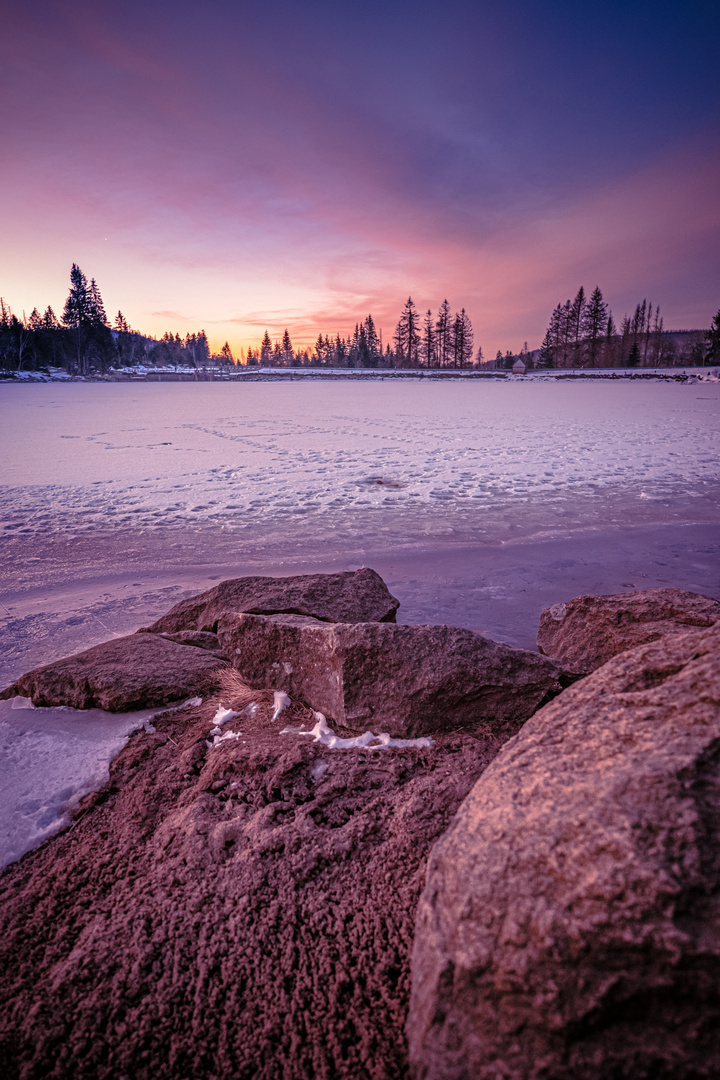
(237, 166)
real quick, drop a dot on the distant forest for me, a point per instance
(581, 334)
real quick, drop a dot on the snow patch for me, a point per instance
(49, 759)
(280, 701)
(323, 734)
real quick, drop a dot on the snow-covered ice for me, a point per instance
(83, 458)
(479, 502)
(49, 759)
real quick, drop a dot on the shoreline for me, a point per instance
(686, 374)
(77, 594)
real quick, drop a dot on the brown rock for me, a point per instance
(570, 923)
(241, 912)
(405, 680)
(120, 675)
(353, 596)
(201, 639)
(586, 632)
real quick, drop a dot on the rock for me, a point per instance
(201, 639)
(127, 673)
(586, 632)
(570, 922)
(353, 596)
(406, 680)
(235, 912)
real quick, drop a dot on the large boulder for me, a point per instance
(407, 680)
(584, 633)
(134, 672)
(570, 922)
(235, 911)
(352, 596)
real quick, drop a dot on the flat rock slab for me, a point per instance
(584, 633)
(134, 672)
(352, 596)
(239, 912)
(570, 924)
(201, 639)
(404, 680)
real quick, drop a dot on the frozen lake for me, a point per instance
(479, 503)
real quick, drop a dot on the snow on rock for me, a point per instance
(223, 715)
(323, 734)
(280, 701)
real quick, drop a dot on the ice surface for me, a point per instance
(49, 759)
(80, 458)
(478, 502)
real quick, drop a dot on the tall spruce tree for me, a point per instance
(594, 324)
(286, 349)
(84, 316)
(545, 357)
(427, 345)
(407, 337)
(462, 340)
(443, 335)
(373, 342)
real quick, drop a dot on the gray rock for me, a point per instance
(133, 672)
(570, 922)
(352, 596)
(405, 680)
(584, 633)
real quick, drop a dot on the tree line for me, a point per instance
(82, 340)
(445, 341)
(581, 334)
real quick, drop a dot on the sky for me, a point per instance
(238, 166)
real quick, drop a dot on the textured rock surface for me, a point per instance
(127, 673)
(406, 680)
(200, 638)
(586, 632)
(570, 923)
(353, 596)
(234, 913)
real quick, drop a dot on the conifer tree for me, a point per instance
(546, 357)
(443, 335)
(407, 338)
(712, 354)
(77, 306)
(462, 340)
(265, 349)
(594, 323)
(373, 341)
(97, 314)
(427, 345)
(286, 349)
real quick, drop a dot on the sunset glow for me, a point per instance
(238, 167)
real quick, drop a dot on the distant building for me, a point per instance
(518, 367)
